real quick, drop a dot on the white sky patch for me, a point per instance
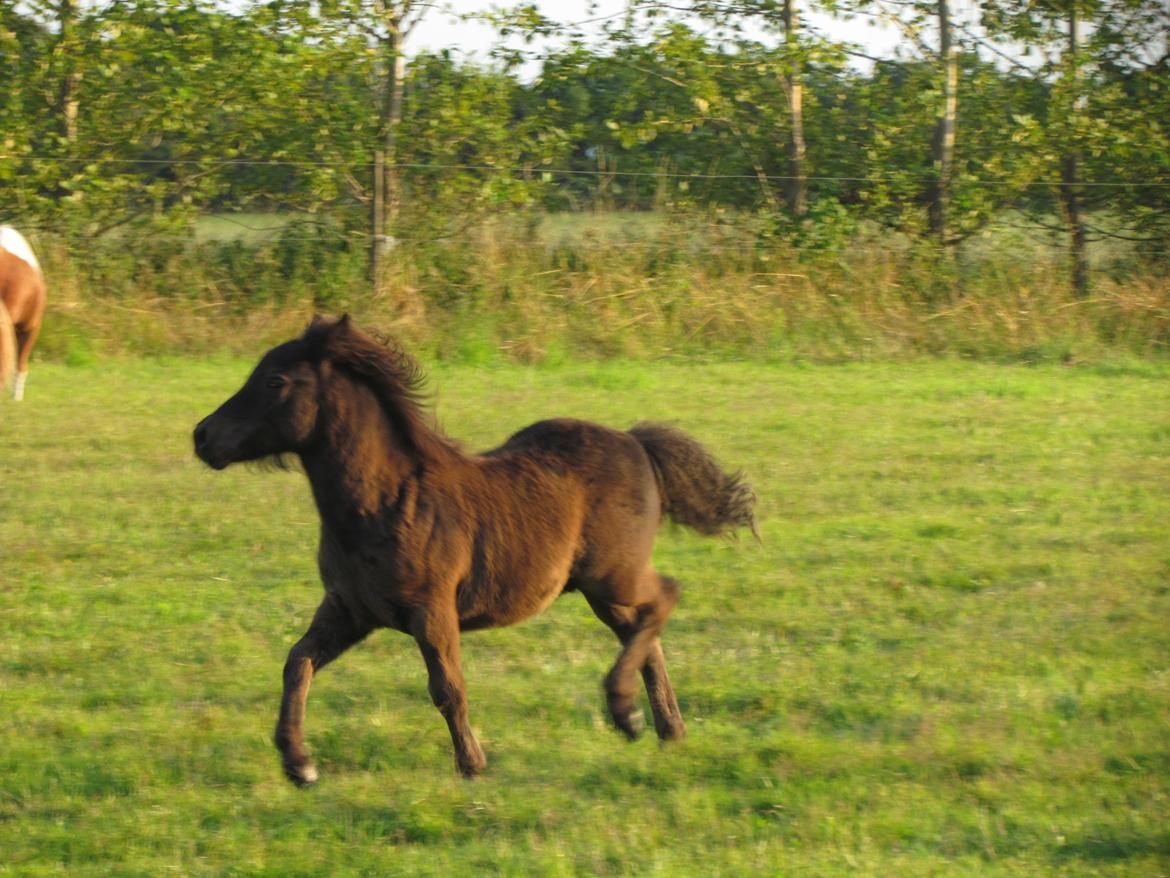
(441, 29)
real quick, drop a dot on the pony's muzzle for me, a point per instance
(203, 449)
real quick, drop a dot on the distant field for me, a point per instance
(247, 228)
(1011, 232)
(555, 229)
(950, 657)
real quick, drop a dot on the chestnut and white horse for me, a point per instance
(22, 306)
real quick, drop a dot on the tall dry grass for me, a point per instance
(533, 290)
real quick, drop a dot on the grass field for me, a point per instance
(950, 657)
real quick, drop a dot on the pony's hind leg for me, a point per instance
(668, 721)
(637, 626)
(331, 633)
(25, 339)
(437, 633)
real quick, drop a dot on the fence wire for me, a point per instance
(581, 172)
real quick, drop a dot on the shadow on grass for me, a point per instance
(1109, 844)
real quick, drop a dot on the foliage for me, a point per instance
(187, 108)
(1107, 102)
(190, 106)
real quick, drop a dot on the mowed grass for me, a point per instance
(951, 656)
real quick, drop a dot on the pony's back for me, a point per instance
(14, 242)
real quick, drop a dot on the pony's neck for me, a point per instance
(359, 463)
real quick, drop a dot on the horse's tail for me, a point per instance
(7, 346)
(695, 491)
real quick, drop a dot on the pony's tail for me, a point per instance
(7, 346)
(695, 491)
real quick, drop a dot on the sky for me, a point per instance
(440, 30)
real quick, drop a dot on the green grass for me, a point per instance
(950, 657)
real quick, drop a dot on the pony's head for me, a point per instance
(278, 410)
(275, 412)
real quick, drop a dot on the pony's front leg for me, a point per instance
(331, 633)
(437, 634)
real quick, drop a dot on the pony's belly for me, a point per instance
(508, 599)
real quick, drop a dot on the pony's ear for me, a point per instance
(330, 325)
(338, 331)
(325, 334)
(335, 336)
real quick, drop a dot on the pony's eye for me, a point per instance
(277, 381)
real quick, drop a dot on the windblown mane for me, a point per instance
(391, 373)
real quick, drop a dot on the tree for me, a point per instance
(943, 146)
(392, 22)
(781, 17)
(913, 18)
(1103, 138)
(67, 51)
(797, 190)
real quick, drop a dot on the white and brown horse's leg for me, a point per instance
(8, 346)
(637, 626)
(25, 339)
(331, 633)
(436, 631)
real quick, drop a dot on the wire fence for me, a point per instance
(584, 172)
(1039, 233)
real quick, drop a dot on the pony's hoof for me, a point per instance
(672, 732)
(472, 764)
(304, 775)
(630, 723)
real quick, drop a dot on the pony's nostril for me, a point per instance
(200, 437)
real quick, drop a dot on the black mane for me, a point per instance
(389, 371)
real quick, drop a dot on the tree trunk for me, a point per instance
(1070, 177)
(1070, 170)
(391, 126)
(943, 147)
(387, 201)
(377, 221)
(68, 106)
(796, 190)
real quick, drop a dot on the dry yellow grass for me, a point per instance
(516, 291)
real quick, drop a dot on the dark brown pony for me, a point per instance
(22, 306)
(418, 536)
